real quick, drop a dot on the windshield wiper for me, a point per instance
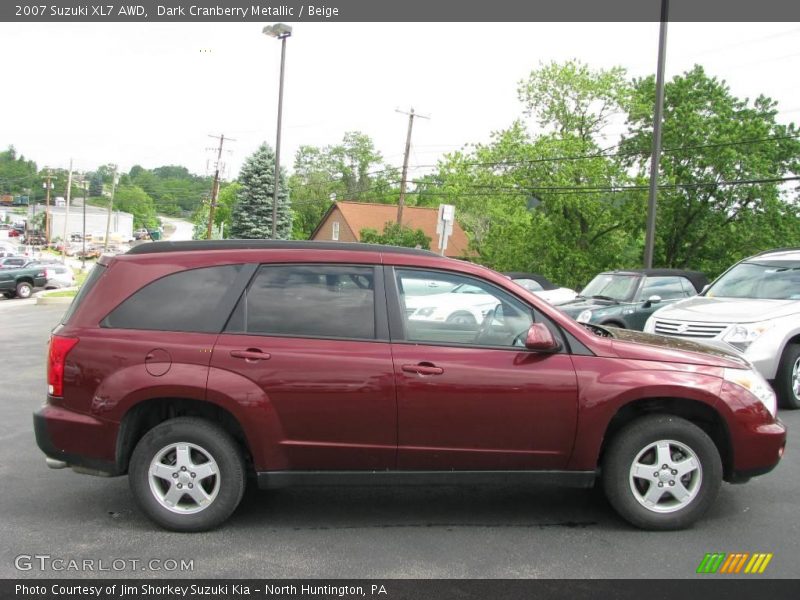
(609, 298)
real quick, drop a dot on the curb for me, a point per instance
(45, 300)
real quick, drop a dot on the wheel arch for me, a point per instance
(694, 411)
(145, 415)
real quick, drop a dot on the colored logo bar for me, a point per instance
(734, 563)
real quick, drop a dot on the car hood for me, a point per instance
(648, 346)
(728, 310)
(557, 296)
(576, 307)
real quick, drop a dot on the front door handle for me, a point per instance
(251, 354)
(423, 369)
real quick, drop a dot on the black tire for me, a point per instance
(218, 445)
(24, 289)
(624, 491)
(784, 378)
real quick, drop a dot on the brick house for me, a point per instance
(344, 221)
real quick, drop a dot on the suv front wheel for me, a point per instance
(187, 474)
(662, 472)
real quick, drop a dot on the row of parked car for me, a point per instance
(21, 275)
(753, 308)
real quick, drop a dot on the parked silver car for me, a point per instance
(754, 307)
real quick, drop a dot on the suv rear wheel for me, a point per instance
(662, 472)
(187, 474)
(24, 289)
(787, 379)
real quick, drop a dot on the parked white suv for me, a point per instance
(754, 307)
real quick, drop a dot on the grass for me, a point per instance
(62, 294)
(80, 277)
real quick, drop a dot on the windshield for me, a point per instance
(768, 280)
(529, 284)
(610, 285)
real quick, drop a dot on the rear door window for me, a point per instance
(318, 301)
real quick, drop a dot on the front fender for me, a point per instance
(606, 385)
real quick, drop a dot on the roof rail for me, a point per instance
(208, 245)
(788, 249)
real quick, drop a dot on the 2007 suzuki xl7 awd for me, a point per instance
(193, 365)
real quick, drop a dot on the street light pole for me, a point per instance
(650, 233)
(279, 31)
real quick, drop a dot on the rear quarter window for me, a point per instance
(94, 276)
(188, 301)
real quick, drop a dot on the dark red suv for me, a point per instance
(192, 366)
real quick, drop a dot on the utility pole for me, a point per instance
(47, 186)
(403, 180)
(66, 215)
(215, 185)
(110, 205)
(650, 232)
(83, 236)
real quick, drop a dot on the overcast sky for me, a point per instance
(150, 93)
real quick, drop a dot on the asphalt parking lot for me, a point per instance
(500, 532)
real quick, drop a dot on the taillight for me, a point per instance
(59, 348)
(49, 273)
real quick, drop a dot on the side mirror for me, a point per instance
(540, 339)
(652, 300)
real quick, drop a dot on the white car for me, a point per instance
(58, 276)
(464, 304)
(543, 287)
(754, 307)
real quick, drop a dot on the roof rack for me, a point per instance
(208, 245)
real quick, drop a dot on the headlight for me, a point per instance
(754, 383)
(741, 336)
(585, 316)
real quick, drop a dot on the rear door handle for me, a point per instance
(423, 369)
(251, 354)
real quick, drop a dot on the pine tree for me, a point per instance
(96, 185)
(252, 215)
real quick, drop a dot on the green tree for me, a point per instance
(397, 235)
(350, 170)
(17, 175)
(133, 199)
(536, 201)
(96, 185)
(711, 140)
(222, 216)
(252, 213)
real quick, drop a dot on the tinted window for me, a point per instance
(667, 288)
(185, 301)
(93, 277)
(473, 312)
(308, 301)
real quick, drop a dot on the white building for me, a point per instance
(96, 218)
